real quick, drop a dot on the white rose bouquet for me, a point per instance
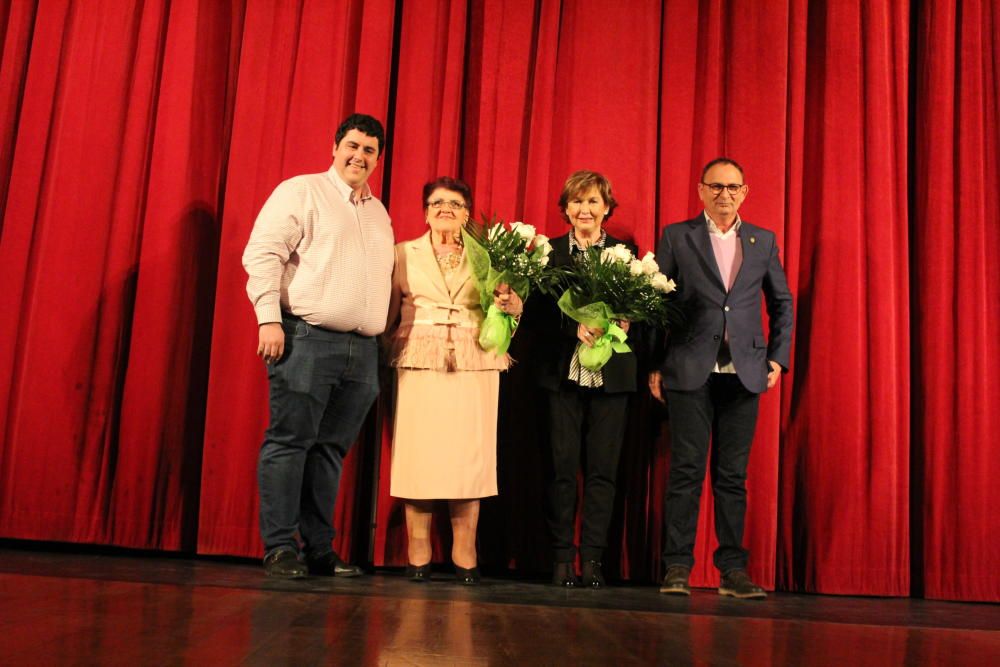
(515, 256)
(605, 286)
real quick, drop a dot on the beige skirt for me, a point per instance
(445, 434)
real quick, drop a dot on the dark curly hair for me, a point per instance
(365, 124)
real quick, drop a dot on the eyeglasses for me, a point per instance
(717, 188)
(453, 204)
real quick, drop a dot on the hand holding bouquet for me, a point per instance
(502, 258)
(610, 285)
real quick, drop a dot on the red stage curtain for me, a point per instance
(16, 19)
(843, 504)
(138, 144)
(957, 326)
(108, 255)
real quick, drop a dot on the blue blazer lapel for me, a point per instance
(748, 242)
(698, 238)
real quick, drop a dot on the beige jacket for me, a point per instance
(434, 323)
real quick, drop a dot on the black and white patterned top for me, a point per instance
(577, 373)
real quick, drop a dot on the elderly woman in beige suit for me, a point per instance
(444, 437)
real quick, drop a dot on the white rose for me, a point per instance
(526, 232)
(635, 267)
(542, 247)
(662, 283)
(544, 260)
(608, 255)
(622, 254)
(649, 265)
(495, 231)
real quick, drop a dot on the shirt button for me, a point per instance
(726, 309)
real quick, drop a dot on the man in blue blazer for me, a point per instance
(714, 366)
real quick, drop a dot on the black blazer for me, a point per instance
(685, 254)
(554, 335)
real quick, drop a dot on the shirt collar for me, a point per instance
(575, 247)
(714, 229)
(344, 189)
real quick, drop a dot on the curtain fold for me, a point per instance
(138, 142)
(845, 455)
(16, 26)
(956, 322)
(69, 254)
(155, 496)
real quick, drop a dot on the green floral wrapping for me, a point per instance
(497, 330)
(498, 327)
(595, 315)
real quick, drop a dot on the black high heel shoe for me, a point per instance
(592, 575)
(563, 575)
(418, 573)
(467, 576)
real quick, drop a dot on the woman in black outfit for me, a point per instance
(587, 409)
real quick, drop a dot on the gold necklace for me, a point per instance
(449, 261)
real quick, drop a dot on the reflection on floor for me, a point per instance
(71, 608)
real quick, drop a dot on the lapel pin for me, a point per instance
(753, 239)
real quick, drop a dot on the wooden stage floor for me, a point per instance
(114, 609)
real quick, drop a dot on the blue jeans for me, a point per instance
(320, 392)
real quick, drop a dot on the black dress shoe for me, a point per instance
(467, 576)
(330, 565)
(675, 581)
(592, 575)
(563, 575)
(284, 564)
(418, 573)
(737, 584)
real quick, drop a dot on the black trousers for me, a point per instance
(595, 421)
(725, 409)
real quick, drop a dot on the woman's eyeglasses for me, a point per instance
(453, 204)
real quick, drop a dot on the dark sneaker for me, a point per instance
(675, 581)
(592, 575)
(284, 564)
(330, 565)
(737, 584)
